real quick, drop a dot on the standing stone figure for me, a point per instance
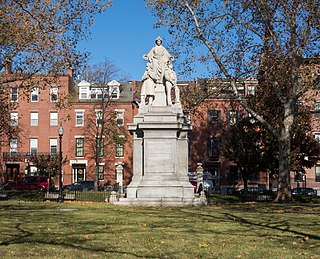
(158, 56)
(148, 86)
(171, 83)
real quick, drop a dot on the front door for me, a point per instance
(12, 172)
(79, 172)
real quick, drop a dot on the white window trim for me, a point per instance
(76, 121)
(75, 138)
(35, 92)
(11, 100)
(120, 111)
(14, 118)
(54, 90)
(54, 119)
(53, 142)
(34, 144)
(13, 145)
(83, 92)
(97, 111)
(36, 118)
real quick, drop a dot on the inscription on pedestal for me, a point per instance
(160, 156)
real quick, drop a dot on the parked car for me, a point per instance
(208, 186)
(304, 191)
(80, 186)
(194, 184)
(39, 183)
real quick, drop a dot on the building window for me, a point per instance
(101, 172)
(14, 119)
(298, 176)
(317, 173)
(317, 106)
(53, 119)
(99, 117)
(79, 118)
(214, 148)
(232, 117)
(13, 146)
(35, 94)
(34, 146)
(54, 94)
(80, 147)
(120, 117)
(100, 146)
(53, 146)
(214, 116)
(83, 92)
(120, 147)
(96, 93)
(232, 173)
(114, 92)
(34, 118)
(14, 94)
(251, 89)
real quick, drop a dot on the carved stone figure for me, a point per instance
(158, 56)
(171, 83)
(148, 86)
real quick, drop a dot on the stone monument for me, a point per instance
(160, 143)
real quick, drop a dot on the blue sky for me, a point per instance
(123, 34)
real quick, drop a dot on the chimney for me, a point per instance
(70, 72)
(8, 65)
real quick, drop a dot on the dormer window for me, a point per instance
(83, 93)
(84, 90)
(96, 93)
(114, 89)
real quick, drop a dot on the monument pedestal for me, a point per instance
(160, 159)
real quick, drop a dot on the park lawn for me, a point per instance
(100, 230)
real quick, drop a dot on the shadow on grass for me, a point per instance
(284, 226)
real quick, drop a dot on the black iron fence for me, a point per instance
(31, 195)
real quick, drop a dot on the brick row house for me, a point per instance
(212, 117)
(38, 117)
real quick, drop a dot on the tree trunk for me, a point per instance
(96, 177)
(284, 188)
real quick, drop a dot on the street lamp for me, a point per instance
(60, 133)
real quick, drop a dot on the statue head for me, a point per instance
(158, 41)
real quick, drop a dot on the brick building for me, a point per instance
(38, 117)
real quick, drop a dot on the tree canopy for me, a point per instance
(242, 38)
(42, 36)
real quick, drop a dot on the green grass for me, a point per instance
(100, 230)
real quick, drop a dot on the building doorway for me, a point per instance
(12, 172)
(78, 172)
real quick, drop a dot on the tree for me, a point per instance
(48, 165)
(103, 72)
(244, 37)
(38, 42)
(102, 130)
(254, 149)
(42, 36)
(246, 144)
